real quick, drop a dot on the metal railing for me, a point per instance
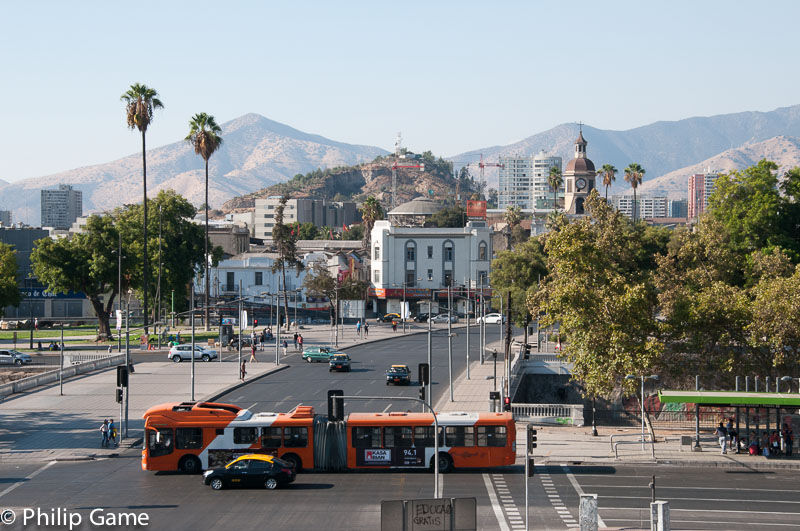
(559, 413)
(49, 377)
(648, 440)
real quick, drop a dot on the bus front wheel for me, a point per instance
(445, 463)
(295, 460)
(189, 464)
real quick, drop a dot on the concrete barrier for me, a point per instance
(25, 384)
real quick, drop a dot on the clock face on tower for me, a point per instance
(580, 183)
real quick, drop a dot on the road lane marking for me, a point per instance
(756, 524)
(386, 408)
(27, 478)
(253, 405)
(580, 492)
(498, 511)
(672, 510)
(770, 491)
(732, 500)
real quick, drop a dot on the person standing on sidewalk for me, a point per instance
(722, 435)
(366, 330)
(300, 341)
(112, 432)
(104, 433)
(285, 347)
(358, 328)
(242, 371)
(253, 353)
(788, 439)
(295, 340)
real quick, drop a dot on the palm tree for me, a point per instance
(555, 180)
(204, 135)
(512, 216)
(633, 174)
(140, 103)
(609, 173)
(371, 212)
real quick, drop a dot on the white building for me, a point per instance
(302, 210)
(542, 193)
(60, 208)
(523, 182)
(420, 262)
(647, 207)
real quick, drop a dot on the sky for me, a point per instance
(452, 76)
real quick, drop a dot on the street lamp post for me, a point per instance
(641, 400)
(430, 345)
(469, 308)
(192, 318)
(450, 337)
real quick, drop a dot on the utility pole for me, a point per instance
(119, 287)
(240, 326)
(192, 308)
(508, 342)
(469, 309)
(159, 324)
(127, 359)
(430, 345)
(450, 337)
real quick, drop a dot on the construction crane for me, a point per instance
(481, 165)
(396, 165)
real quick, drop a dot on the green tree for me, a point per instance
(633, 175)
(286, 244)
(354, 233)
(609, 173)
(304, 231)
(518, 271)
(84, 263)
(320, 283)
(603, 302)
(512, 216)
(140, 104)
(371, 211)
(774, 330)
(9, 288)
(204, 135)
(555, 180)
(453, 216)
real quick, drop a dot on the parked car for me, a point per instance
(421, 317)
(492, 318)
(179, 353)
(339, 362)
(398, 374)
(444, 317)
(317, 354)
(389, 317)
(251, 470)
(14, 357)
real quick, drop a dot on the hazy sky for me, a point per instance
(451, 76)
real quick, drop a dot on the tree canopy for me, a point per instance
(9, 287)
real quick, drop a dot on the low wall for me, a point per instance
(50, 377)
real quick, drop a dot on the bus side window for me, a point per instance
(188, 438)
(295, 437)
(159, 445)
(423, 436)
(244, 435)
(366, 437)
(494, 436)
(271, 437)
(459, 436)
(397, 437)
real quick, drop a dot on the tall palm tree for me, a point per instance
(633, 174)
(371, 212)
(140, 103)
(512, 216)
(204, 135)
(555, 180)
(609, 173)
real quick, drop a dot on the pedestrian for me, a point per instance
(112, 432)
(358, 327)
(36, 323)
(178, 335)
(394, 325)
(775, 443)
(732, 435)
(300, 341)
(295, 340)
(104, 433)
(253, 353)
(242, 371)
(788, 439)
(263, 338)
(765, 444)
(366, 330)
(39, 346)
(285, 347)
(722, 435)
(109, 349)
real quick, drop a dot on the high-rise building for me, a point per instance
(60, 208)
(677, 208)
(5, 217)
(647, 207)
(701, 185)
(523, 182)
(303, 210)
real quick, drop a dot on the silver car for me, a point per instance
(444, 317)
(14, 357)
(178, 353)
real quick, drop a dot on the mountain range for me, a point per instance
(259, 152)
(256, 152)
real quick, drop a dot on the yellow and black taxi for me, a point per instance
(389, 317)
(252, 470)
(398, 374)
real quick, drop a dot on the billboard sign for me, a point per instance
(476, 209)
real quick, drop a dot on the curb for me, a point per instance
(666, 462)
(213, 397)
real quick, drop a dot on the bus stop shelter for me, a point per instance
(759, 409)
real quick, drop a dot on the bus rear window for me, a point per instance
(159, 442)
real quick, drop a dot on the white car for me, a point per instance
(14, 357)
(178, 353)
(492, 318)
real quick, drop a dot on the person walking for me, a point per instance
(300, 341)
(394, 325)
(366, 330)
(722, 435)
(253, 353)
(358, 328)
(104, 433)
(732, 435)
(242, 371)
(36, 323)
(112, 432)
(295, 340)
(285, 347)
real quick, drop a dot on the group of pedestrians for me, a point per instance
(298, 341)
(362, 328)
(775, 443)
(108, 431)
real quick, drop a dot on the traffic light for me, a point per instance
(422, 393)
(119, 395)
(255, 323)
(531, 467)
(335, 404)
(424, 374)
(507, 403)
(122, 376)
(531, 438)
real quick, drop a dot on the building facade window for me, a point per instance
(430, 251)
(259, 278)
(376, 276)
(411, 252)
(430, 274)
(377, 253)
(449, 251)
(482, 251)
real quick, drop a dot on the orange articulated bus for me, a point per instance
(197, 435)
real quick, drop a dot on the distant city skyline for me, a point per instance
(451, 76)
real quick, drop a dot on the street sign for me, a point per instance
(118, 314)
(244, 319)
